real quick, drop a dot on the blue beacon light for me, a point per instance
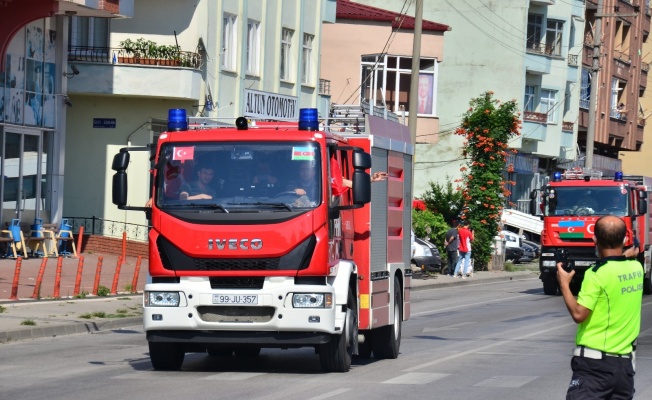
(308, 119)
(177, 120)
(618, 177)
(556, 177)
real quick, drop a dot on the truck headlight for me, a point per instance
(312, 300)
(547, 254)
(549, 263)
(162, 299)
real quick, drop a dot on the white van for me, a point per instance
(511, 239)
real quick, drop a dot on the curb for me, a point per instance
(469, 281)
(69, 329)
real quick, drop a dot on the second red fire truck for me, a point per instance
(572, 202)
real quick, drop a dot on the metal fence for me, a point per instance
(105, 227)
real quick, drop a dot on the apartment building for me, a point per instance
(34, 77)
(528, 51)
(212, 58)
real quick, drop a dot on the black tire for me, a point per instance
(335, 356)
(647, 283)
(166, 356)
(247, 351)
(219, 351)
(550, 285)
(365, 348)
(387, 339)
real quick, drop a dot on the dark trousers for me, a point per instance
(609, 378)
(452, 261)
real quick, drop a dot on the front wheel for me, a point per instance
(387, 339)
(550, 285)
(166, 356)
(335, 356)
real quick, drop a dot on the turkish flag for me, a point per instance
(183, 153)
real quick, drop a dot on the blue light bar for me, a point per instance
(177, 120)
(618, 177)
(308, 119)
(556, 177)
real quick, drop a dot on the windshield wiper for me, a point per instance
(212, 206)
(276, 204)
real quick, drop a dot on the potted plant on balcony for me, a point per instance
(130, 51)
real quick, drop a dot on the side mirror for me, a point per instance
(533, 194)
(120, 161)
(361, 160)
(361, 187)
(120, 188)
(642, 206)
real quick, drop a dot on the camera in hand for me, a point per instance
(562, 256)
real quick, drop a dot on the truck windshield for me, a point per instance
(239, 176)
(578, 201)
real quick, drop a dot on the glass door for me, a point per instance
(22, 176)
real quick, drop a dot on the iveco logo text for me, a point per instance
(235, 244)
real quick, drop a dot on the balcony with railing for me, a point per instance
(120, 71)
(567, 126)
(535, 124)
(324, 87)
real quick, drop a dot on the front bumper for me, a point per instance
(198, 318)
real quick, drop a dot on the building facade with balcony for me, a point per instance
(209, 57)
(529, 52)
(373, 70)
(640, 162)
(34, 77)
(620, 110)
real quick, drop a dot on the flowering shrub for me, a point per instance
(487, 127)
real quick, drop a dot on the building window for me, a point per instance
(554, 32)
(534, 31)
(253, 47)
(385, 82)
(585, 89)
(87, 33)
(306, 73)
(229, 41)
(286, 56)
(618, 108)
(547, 105)
(528, 101)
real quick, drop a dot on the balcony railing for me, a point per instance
(624, 57)
(645, 67)
(543, 48)
(572, 60)
(112, 55)
(538, 117)
(567, 126)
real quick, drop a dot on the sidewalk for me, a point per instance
(27, 318)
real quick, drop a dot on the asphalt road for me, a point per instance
(490, 341)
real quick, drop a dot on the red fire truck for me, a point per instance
(572, 203)
(281, 254)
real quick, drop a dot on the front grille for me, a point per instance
(244, 282)
(235, 264)
(235, 314)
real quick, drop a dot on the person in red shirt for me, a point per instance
(465, 238)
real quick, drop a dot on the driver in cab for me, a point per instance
(587, 202)
(199, 189)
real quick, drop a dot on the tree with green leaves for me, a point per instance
(429, 225)
(444, 200)
(488, 126)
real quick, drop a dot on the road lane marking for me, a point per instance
(506, 381)
(447, 328)
(232, 376)
(482, 348)
(415, 378)
(468, 305)
(330, 394)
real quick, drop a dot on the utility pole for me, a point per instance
(593, 97)
(414, 78)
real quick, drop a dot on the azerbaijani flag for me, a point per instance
(303, 153)
(571, 226)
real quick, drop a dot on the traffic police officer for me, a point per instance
(608, 311)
